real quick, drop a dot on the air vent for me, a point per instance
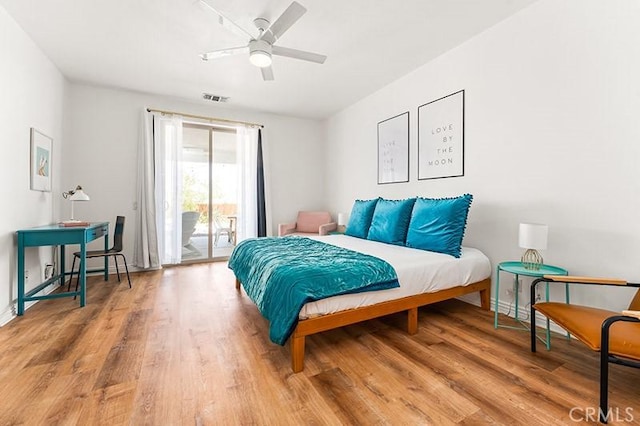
(214, 98)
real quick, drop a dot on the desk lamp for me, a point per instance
(75, 195)
(532, 236)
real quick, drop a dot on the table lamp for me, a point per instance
(533, 237)
(342, 221)
(75, 195)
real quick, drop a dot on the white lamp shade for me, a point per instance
(342, 220)
(533, 236)
(79, 195)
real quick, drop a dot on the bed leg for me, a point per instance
(485, 299)
(297, 353)
(412, 321)
(237, 284)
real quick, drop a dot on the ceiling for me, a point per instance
(153, 45)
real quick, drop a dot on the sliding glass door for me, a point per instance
(209, 192)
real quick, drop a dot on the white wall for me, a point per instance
(102, 128)
(32, 96)
(552, 136)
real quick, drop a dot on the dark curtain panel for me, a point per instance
(262, 215)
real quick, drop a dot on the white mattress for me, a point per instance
(419, 271)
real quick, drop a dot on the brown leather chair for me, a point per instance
(593, 327)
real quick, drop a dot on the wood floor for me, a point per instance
(183, 347)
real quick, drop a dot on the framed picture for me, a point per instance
(441, 137)
(41, 153)
(393, 149)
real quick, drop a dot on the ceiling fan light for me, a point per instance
(260, 53)
(260, 59)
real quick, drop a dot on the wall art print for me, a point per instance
(393, 149)
(41, 154)
(441, 137)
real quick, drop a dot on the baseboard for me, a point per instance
(507, 308)
(7, 315)
(112, 270)
(11, 312)
(472, 299)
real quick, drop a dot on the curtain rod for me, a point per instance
(202, 117)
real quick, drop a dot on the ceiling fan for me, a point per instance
(261, 48)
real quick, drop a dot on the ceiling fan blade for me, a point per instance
(298, 54)
(284, 22)
(224, 52)
(228, 23)
(267, 73)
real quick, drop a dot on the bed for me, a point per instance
(424, 277)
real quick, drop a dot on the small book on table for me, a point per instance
(67, 224)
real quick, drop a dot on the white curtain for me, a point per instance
(247, 160)
(158, 237)
(159, 196)
(146, 238)
(168, 186)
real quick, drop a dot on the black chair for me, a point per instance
(114, 251)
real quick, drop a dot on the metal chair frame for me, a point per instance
(114, 251)
(605, 356)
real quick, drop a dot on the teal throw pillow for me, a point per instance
(360, 218)
(438, 224)
(390, 221)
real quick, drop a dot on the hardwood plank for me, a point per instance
(110, 405)
(403, 387)
(184, 347)
(346, 399)
(125, 357)
(64, 400)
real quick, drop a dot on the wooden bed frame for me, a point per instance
(410, 304)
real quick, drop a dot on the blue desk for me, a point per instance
(56, 235)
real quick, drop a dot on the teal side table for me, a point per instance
(517, 269)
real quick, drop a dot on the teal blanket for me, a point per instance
(280, 275)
